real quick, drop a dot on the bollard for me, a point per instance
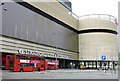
(112, 71)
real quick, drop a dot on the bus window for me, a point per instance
(11, 62)
(26, 57)
(18, 64)
(4, 56)
(42, 59)
(8, 57)
(46, 60)
(50, 65)
(34, 58)
(31, 58)
(17, 56)
(27, 65)
(37, 58)
(42, 66)
(52, 61)
(22, 65)
(22, 57)
(12, 55)
(31, 65)
(3, 62)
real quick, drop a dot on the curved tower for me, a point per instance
(98, 38)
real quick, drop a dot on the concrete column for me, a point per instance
(113, 65)
(92, 65)
(64, 64)
(85, 64)
(100, 64)
(108, 64)
(96, 65)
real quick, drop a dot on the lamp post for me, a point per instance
(56, 34)
(2, 4)
(56, 57)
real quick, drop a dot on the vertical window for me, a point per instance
(42, 66)
(8, 57)
(31, 65)
(17, 56)
(22, 57)
(27, 65)
(34, 58)
(42, 59)
(18, 64)
(31, 58)
(21, 65)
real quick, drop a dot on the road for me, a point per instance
(60, 74)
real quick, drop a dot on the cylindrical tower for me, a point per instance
(98, 38)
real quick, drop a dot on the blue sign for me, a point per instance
(103, 57)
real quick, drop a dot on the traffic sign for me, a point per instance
(103, 57)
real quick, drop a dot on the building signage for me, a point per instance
(21, 51)
(97, 57)
(38, 53)
(103, 57)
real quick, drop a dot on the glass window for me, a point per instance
(42, 65)
(18, 64)
(27, 65)
(51, 65)
(42, 59)
(24, 65)
(31, 65)
(52, 61)
(17, 56)
(12, 55)
(21, 65)
(31, 58)
(8, 57)
(37, 58)
(46, 60)
(28, 57)
(11, 62)
(3, 62)
(4, 56)
(48, 65)
(34, 58)
(22, 57)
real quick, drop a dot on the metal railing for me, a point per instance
(99, 16)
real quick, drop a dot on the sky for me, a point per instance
(85, 7)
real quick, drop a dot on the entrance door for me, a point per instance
(7, 61)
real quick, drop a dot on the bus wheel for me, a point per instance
(48, 69)
(38, 69)
(21, 70)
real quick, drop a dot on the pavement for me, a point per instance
(69, 70)
(60, 74)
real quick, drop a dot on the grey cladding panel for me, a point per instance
(23, 23)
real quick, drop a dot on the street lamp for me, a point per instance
(56, 47)
(2, 4)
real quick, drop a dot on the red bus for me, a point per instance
(19, 62)
(5, 62)
(51, 64)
